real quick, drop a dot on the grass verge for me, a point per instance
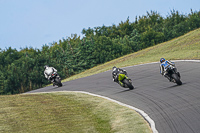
(68, 112)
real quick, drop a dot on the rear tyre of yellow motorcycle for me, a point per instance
(130, 86)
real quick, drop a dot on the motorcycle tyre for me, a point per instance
(130, 86)
(58, 82)
(177, 79)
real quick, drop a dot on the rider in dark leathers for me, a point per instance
(115, 72)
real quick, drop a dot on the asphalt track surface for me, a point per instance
(174, 109)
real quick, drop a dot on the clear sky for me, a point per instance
(34, 23)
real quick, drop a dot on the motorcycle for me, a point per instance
(126, 81)
(173, 74)
(56, 79)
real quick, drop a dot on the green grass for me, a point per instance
(67, 112)
(184, 47)
(72, 112)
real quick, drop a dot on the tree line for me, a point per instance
(22, 71)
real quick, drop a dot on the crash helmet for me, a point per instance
(46, 66)
(114, 68)
(162, 60)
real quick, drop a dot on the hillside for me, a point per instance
(184, 47)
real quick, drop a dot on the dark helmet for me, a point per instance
(162, 60)
(46, 66)
(114, 68)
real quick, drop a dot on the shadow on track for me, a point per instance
(123, 91)
(177, 85)
(173, 86)
(56, 87)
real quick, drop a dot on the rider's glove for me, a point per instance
(125, 72)
(173, 64)
(54, 72)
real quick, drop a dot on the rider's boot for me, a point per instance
(168, 77)
(115, 79)
(53, 81)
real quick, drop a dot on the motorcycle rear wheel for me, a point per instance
(130, 86)
(177, 79)
(58, 82)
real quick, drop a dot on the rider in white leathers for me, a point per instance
(48, 71)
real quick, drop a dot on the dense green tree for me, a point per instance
(2, 83)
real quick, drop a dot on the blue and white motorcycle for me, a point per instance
(173, 74)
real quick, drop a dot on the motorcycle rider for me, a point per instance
(163, 64)
(115, 72)
(48, 72)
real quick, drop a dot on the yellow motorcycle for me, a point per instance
(124, 81)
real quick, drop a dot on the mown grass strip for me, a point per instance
(68, 112)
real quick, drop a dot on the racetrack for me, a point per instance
(174, 109)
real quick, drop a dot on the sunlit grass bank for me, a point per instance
(184, 47)
(67, 112)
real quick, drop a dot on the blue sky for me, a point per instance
(34, 23)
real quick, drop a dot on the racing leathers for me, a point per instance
(163, 69)
(115, 73)
(48, 72)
